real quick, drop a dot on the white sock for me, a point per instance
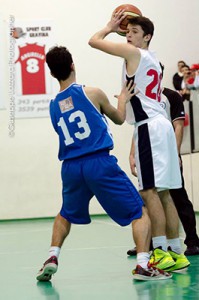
(160, 241)
(142, 259)
(54, 251)
(175, 245)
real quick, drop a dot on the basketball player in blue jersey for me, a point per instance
(78, 117)
(155, 145)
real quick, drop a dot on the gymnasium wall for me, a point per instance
(29, 169)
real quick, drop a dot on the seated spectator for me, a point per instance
(178, 76)
(196, 81)
(195, 73)
(187, 78)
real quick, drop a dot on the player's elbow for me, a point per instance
(90, 42)
(119, 121)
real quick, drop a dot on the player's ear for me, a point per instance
(72, 67)
(147, 37)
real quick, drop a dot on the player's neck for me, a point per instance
(66, 83)
(145, 47)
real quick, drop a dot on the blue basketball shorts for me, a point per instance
(98, 175)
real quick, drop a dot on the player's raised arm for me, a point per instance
(98, 41)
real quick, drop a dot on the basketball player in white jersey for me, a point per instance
(155, 146)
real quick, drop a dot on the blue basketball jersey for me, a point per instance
(82, 129)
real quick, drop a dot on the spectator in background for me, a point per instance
(178, 76)
(187, 77)
(192, 83)
(196, 80)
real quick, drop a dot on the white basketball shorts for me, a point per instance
(156, 155)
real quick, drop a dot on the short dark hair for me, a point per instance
(186, 66)
(59, 61)
(181, 61)
(145, 23)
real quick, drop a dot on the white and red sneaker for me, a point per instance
(151, 273)
(49, 268)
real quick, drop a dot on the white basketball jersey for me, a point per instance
(148, 76)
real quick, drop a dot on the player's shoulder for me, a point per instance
(91, 88)
(176, 75)
(96, 96)
(93, 91)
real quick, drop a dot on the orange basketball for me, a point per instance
(130, 11)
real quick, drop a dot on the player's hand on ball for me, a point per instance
(116, 19)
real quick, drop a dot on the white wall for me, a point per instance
(29, 169)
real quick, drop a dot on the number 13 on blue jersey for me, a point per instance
(82, 124)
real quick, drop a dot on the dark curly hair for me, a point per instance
(59, 61)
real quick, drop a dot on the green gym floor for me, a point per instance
(92, 265)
